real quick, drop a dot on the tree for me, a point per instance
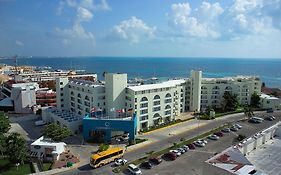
(255, 100)
(248, 111)
(229, 102)
(2, 144)
(16, 148)
(103, 147)
(4, 123)
(56, 132)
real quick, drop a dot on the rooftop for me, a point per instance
(86, 83)
(265, 96)
(166, 84)
(232, 160)
(236, 78)
(267, 157)
(46, 142)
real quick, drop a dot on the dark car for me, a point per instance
(170, 155)
(270, 110)
(146, 165)
(191, 146)
(270, 118)
(220, 134)
(155, 160)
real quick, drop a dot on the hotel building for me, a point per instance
(152, 103)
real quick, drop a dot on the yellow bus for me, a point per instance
(102, 158)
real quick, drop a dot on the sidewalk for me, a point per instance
(166, 132)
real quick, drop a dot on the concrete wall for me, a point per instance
(115, 85)
(195, 101)
(24, 98)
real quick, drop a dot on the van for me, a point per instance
(134, 169)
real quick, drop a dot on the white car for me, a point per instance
(213, 137)
(40, 123)
(202, 140)
(119, 162)
(178, 153)
(237, 126)
(199, 143)
(186, 148)
(134, 169)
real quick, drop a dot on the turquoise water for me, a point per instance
(268, 69)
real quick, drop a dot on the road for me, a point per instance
(168, 141)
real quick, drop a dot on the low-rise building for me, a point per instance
(270, 102)
(46, 149)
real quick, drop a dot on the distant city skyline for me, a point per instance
(214, 28)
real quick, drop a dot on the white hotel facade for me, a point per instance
(152, 103)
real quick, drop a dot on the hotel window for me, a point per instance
(144, 99)
(144, 111)
(61, 89)
(136, 106)
(142, 92)
(136, 100)
(61, 94)
(156, 109)
(156, 103)
(156, 115)
(144, 118)
(69, 86)
(144, 105)
(61, 83)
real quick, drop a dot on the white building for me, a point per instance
(45, 149)
(269, 102)
(153, 103)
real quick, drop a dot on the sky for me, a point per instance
(134, 28)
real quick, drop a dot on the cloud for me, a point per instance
(83, 14)
(133, 30)
(19, 43)
(198, 24)
(76, 32)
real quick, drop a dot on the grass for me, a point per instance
(8, 168)
(174, 146)
(47, 166)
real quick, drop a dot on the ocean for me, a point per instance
(269, 70)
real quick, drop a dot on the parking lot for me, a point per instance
(192, 161)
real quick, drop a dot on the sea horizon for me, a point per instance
(163, 67)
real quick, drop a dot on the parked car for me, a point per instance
(134, 169)
(270, 118)
(40, 123)
(170, 155)
(199, 143)
(202, 140)
(155, 160)
(178, 153)
(146, 165)
(256, 120)
(220, 134)
(191, 146)
(119, 162)
(213, 137)
(233, 128)
(181, 150)
(237, 126)
(225, 130)
(186, 148)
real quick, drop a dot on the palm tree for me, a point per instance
(248, 111)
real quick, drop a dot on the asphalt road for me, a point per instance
(191, 162)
